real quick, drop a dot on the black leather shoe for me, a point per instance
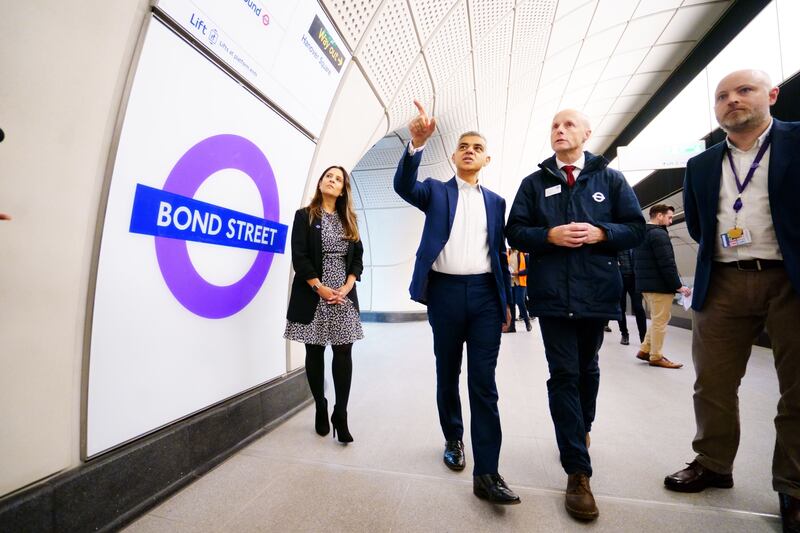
(528, 326)
(790, 513)
(491, 487)
(454, 455)
(624, 341)
(696, 478)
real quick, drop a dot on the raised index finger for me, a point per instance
(420, 109)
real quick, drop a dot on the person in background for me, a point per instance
(517, 264)
(323, 306)
(740, 200)
(658, 280)
(625, 261)
(4, 216)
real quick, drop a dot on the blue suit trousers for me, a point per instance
(466, 309)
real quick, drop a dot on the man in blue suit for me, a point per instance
(461, 274)
(740, 200)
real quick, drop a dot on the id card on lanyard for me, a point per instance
(739, 236)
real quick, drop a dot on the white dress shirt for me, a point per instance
(579, 164)
(467, 249)
(755, 214)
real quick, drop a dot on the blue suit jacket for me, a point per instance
(438, 201)
(701, 197)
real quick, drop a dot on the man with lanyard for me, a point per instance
(740, 201)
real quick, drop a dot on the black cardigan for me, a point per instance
(307, 262)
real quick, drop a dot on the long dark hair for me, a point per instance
(344, 205)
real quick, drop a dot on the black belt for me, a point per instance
(754, 265)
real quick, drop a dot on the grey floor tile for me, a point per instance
(154, 524)
(392, 477)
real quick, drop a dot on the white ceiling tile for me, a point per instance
(560, 64)
(597, 108)
(485, 15)
(666, 56)
(570, 30)
(609, 88)
(352, 17)
(447, 50)
(648, 7)
(576, 99)
(597, 144)
(390, 48)
(624, 64)
(600, 45)
(566, 7)
(428, 14)
(629, 103)
(646, 83)
(532, 23)
(643, 32)
(691, 23)
(416, 86)
(552, 91)
(588, 75)
(613, 124)
(610, 13)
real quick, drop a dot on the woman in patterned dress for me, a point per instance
(323, 306)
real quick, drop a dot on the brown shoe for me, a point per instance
(695, 478)
(579, 501)
(644, 356)
(665, 363)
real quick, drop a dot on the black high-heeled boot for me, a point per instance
(339, 422)
(321, 418)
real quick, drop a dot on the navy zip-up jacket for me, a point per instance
(582, 282)
(656, 270)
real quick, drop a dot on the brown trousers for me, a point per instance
(738, 306)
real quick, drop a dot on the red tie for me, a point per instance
(570, 177)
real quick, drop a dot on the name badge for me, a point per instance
(550, 191)
(735, 237)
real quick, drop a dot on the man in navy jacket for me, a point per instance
(740, 199)
(461, 274)
(573, 215)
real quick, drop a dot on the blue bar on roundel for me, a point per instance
(165, 214)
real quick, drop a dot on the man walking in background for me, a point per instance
(625, 261)
(517, 264)
(658, 280)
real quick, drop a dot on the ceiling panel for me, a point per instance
(390, 48)
(642, 32)
(450, 47)
(428, 14)
(691, 23)
(610, 13)
(507, 66)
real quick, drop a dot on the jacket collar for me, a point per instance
(592, 163)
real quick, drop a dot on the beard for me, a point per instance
(743, 120)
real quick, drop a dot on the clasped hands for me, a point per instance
(575, 234)
(334, 296)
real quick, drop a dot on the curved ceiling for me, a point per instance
(505, 67)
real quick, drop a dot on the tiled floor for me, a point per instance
(392, 478)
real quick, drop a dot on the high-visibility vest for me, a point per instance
(523, 279)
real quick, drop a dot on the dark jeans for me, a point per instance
(571, 347)
(466, 309)
(629, 288)
(519, 294)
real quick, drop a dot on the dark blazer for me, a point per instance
(579, 282)
(438, 201)
(701, 197)
(656, 270)
(307, 262)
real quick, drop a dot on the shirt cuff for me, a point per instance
(412, 150)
